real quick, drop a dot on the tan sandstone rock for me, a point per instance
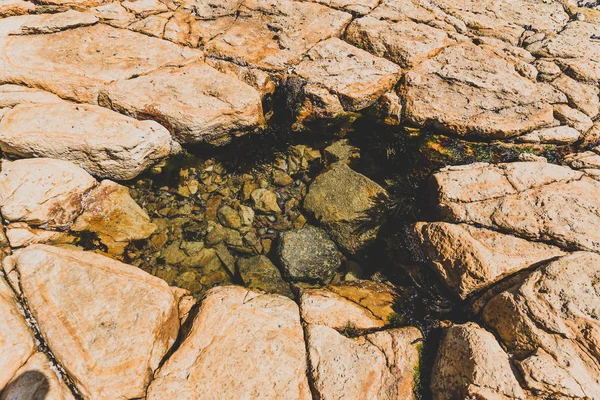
(196, 102)
(16, 339)
(357, 77)
(110, 329)
(103, 142)
(45, 23)
(43, 192)
(13, 95)
(379, 365)
(538, 201)
(360, 7)
(242, 344)
(469, 259)
(471, 90)
(471, 364)
(549, 323)
(557, 135)
(77, 63)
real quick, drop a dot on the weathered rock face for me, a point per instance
(13, 95)
(110, 329)
(379, 365)
(77, 63)
(242, 345)
(549, 323)
(471, 90)
(556, 135)
(196, 102)
(538, 201)
(104, 143)
(16, 340)
(355, 76)
(307, 254)
(273, 34)
(339, 198)
(43, 191)
(471, 364)
(469, 259)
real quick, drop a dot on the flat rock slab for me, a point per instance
(111, 328)
(197, 103)
(13, 95)
(42, 191)
(360, 7)
(549, 323)
(274, 34)
(380, 365)
(355, 76)
(470, 90)
(103, 142)
(469, 259)
(471, 364)
(76, 63)
(46, 23)
(533, 200)
(404, 42)
(242, 345)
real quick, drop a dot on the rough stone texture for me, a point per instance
(46, 23)
(259, 273)
(36, 379)
(573, 118)
(242, 344)
(338, 199)
(574, 50)
(16, 340)
(114, 216)
(471, 364)
(506, 19)
(534, 200)
(308, 254)
(469, 259)
(549, 323)
(104, 143)
(13, 95)
(197, 103)
(580, 96)
(20, 235)
(110, 329)
(471, 90)
(273, 34)
(355, 76)
(43, 192)
(557, 135)
(404, 42)
(77, 63)
(265, 201)
(380, 365)
(9, 8)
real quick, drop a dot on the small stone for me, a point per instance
(308, 254)
(266, 201)
(280, 178)
(342, 150)
(556, 135)
(258, 272)
(229, 217)
(246, 215)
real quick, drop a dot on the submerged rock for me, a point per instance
(258, 272)
(307, 254)
(340, 199)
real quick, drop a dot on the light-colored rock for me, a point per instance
(20, 234)
(9, 8)
(258, 79)
(197, 103)
(538, 201)
(506, 19)
(111, 328)
(143, 8)
(241, 345)
(405, 42)
(113, 14)
(584, 161)
(16, 339)
(360, 7)
(273, 34)
(470, 259)
(556, 135)
(103, 142)
(470, 90)
(43, 192)
(355, 76)
(471, 364)
(13, 95)
(574, 50)
(114, 216)
(77, 63)
(339, 198)
(573, 118)
(45, 23)
(549, 323)
(581, 96)
(265, 200)
(380, 365)
(154, 25)
(37, 379)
